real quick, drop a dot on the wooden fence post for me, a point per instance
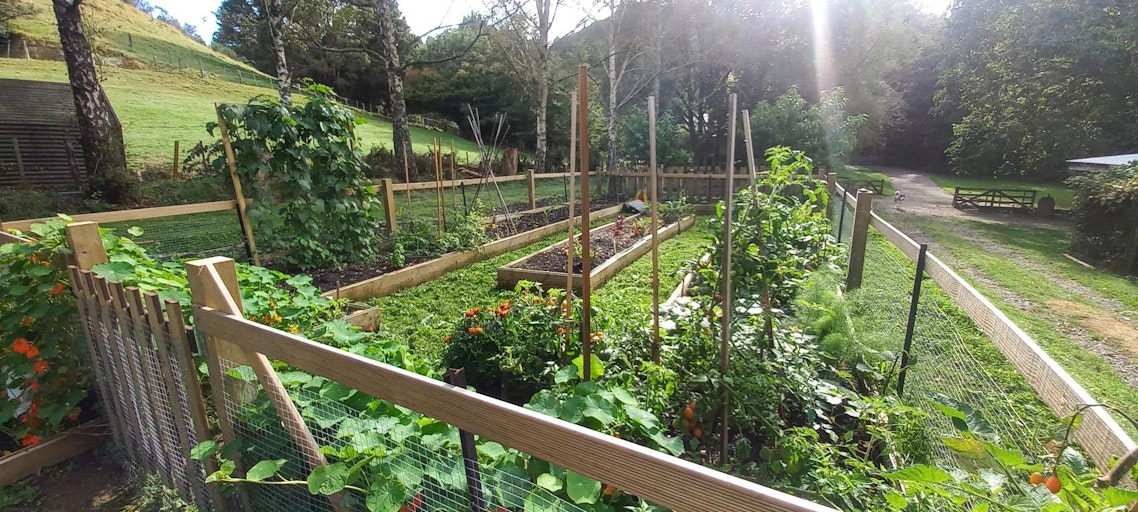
(213, 284)
(858, 239)
(388, 204)
(83, 238)
(532, 193)
(239, 195)
(19, 160)
(832, 191)
(177, 159)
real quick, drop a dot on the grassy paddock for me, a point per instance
(1042, 320)
(157, 108)
(859, 174)
(1063, 194)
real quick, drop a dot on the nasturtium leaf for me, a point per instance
(539, 502)
(134, 231)
(117, 271)
(385, 495)
(264, 469)
(565, 374)
(581, 489)
(544, 402)
(294, 378)
(572, 409)
(513, 485)
(328, 479)
(596, 367)
(242, 373)
(549, 482)
(492, 450)
(203, 450)
(624, 396)
(598, 409)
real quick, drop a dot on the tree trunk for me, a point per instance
(400, 133)
(614, 85)
(541, 151)
(274, 14)
(99, 129)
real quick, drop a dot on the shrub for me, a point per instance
(1104, 210)
(823, 131)
(671, 138)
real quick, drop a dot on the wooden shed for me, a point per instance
(39, 137)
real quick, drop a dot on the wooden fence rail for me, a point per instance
(1100, 435)
(654, 476)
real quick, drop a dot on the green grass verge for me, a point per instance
(859, 174)
(1063, 194)
(950, 355)
(157, 108)
(424, 314)
(1042, 323)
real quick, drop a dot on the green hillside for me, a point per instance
(158, 106)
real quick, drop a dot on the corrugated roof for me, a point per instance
(1106, 160)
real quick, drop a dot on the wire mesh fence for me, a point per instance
(424, 456)
(951, 362)
(192, 236)
(151, 396)
(420, 206)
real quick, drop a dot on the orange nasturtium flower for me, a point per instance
(40, 366)
(30, 440)
(475, 330)
(560, 330)
(58, 289)
(32, 352)
(472, 312)
(20, 346)
(293, 329)
(26, 321)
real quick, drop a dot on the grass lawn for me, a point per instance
(1051, 306)
(156, 108)
(1063, 194)
(860, 174)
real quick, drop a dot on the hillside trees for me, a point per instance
(12, 10)
(99, 129)
(1036, 83)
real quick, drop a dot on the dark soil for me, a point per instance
(531, 221)
(605, 244)
(92, 481)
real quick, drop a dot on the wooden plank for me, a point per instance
(57, 449)
(231, 160)
(425, 185)
(862, 206)
(665, 480)
(388, 193)
(86, 243)
(129, 215)
(420, 273)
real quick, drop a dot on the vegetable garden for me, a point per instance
(765, 373)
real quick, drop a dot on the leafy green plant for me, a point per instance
(43, 378)
(512, 350)
(309, 181)
(992, 477)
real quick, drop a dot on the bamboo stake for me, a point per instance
(572, 201)
(407, 180)
(725, 271)
(453, 199)
(655, 219)
(437, 160)
(240, 196)
(586, 260)
(750, 149)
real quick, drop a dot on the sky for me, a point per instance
(421, 15)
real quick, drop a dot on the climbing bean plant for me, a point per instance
(302, 167)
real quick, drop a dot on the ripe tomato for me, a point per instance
(697, 433)
(1037, 478)
(1053, 484)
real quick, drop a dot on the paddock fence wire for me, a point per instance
(966, 351)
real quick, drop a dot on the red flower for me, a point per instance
(20, 346)
(35, 386)
(30, 440)
(472, 312)
(40, 366)
(32, 352)
(58, 289)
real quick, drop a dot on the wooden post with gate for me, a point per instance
(858, 239)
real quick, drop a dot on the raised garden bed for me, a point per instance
(59, 448)
(416, 274)
(548, 266)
